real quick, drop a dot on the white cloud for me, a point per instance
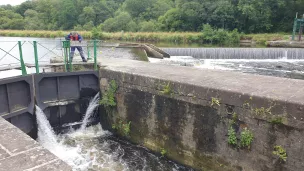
(11, 2)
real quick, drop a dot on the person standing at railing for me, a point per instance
(74, 36)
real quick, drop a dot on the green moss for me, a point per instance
(78, 68)
(277, 120)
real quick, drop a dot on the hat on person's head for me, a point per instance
(74, 33)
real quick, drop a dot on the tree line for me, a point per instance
(248, 16)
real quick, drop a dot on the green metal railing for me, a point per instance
(65, 50)
(67, 46)
(23, 68)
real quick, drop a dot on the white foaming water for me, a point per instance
(94, 103)
(48, 139)
(92, 148)
(76, 148)
(46, 135)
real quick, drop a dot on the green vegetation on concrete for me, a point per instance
(246, 138)
(108, 97)
(232, 139)
(277, 120)
(163, 152)
(280, 152)
(122, 127)
(215, 101)
(167, 90)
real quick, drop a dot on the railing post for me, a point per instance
(70, 62)
(36, 57)
(66, 55)
(88, 49)
(23, 69)
(95, 55)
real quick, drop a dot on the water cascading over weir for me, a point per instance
(238, 53)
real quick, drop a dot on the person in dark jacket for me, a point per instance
(74, 36)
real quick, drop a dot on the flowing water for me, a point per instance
(94, 103)
(238, 53)
(287, 68)
(94, 149)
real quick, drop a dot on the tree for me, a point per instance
(136, 7)
(20, 9)
(11, 20)
(256, 16)
(32, 20)
(123, 21)
(88, 26)
(66, 15)
(148, 26)
(171, 21)
(87, 15)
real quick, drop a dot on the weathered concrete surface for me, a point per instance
(77, 66)
(18, 152)
(175, 108)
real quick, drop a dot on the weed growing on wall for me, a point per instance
(280, 152)
(122, 127)
(108, 98)
(167, 90)
(246, 138)
(234, 118)
(277, 120)
(163, 152)
(232, 139)
(215, 102)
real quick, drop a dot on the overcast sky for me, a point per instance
(12, 2)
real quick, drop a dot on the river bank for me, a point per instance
(170, 37)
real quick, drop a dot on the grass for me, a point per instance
(175, 37)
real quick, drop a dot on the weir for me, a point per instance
(238, 53)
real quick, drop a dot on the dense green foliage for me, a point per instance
(248, 16)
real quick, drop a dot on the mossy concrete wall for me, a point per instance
(187, 112)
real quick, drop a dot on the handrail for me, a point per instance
(64, 47)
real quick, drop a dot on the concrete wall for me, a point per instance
(18, 152)
(175, 109)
